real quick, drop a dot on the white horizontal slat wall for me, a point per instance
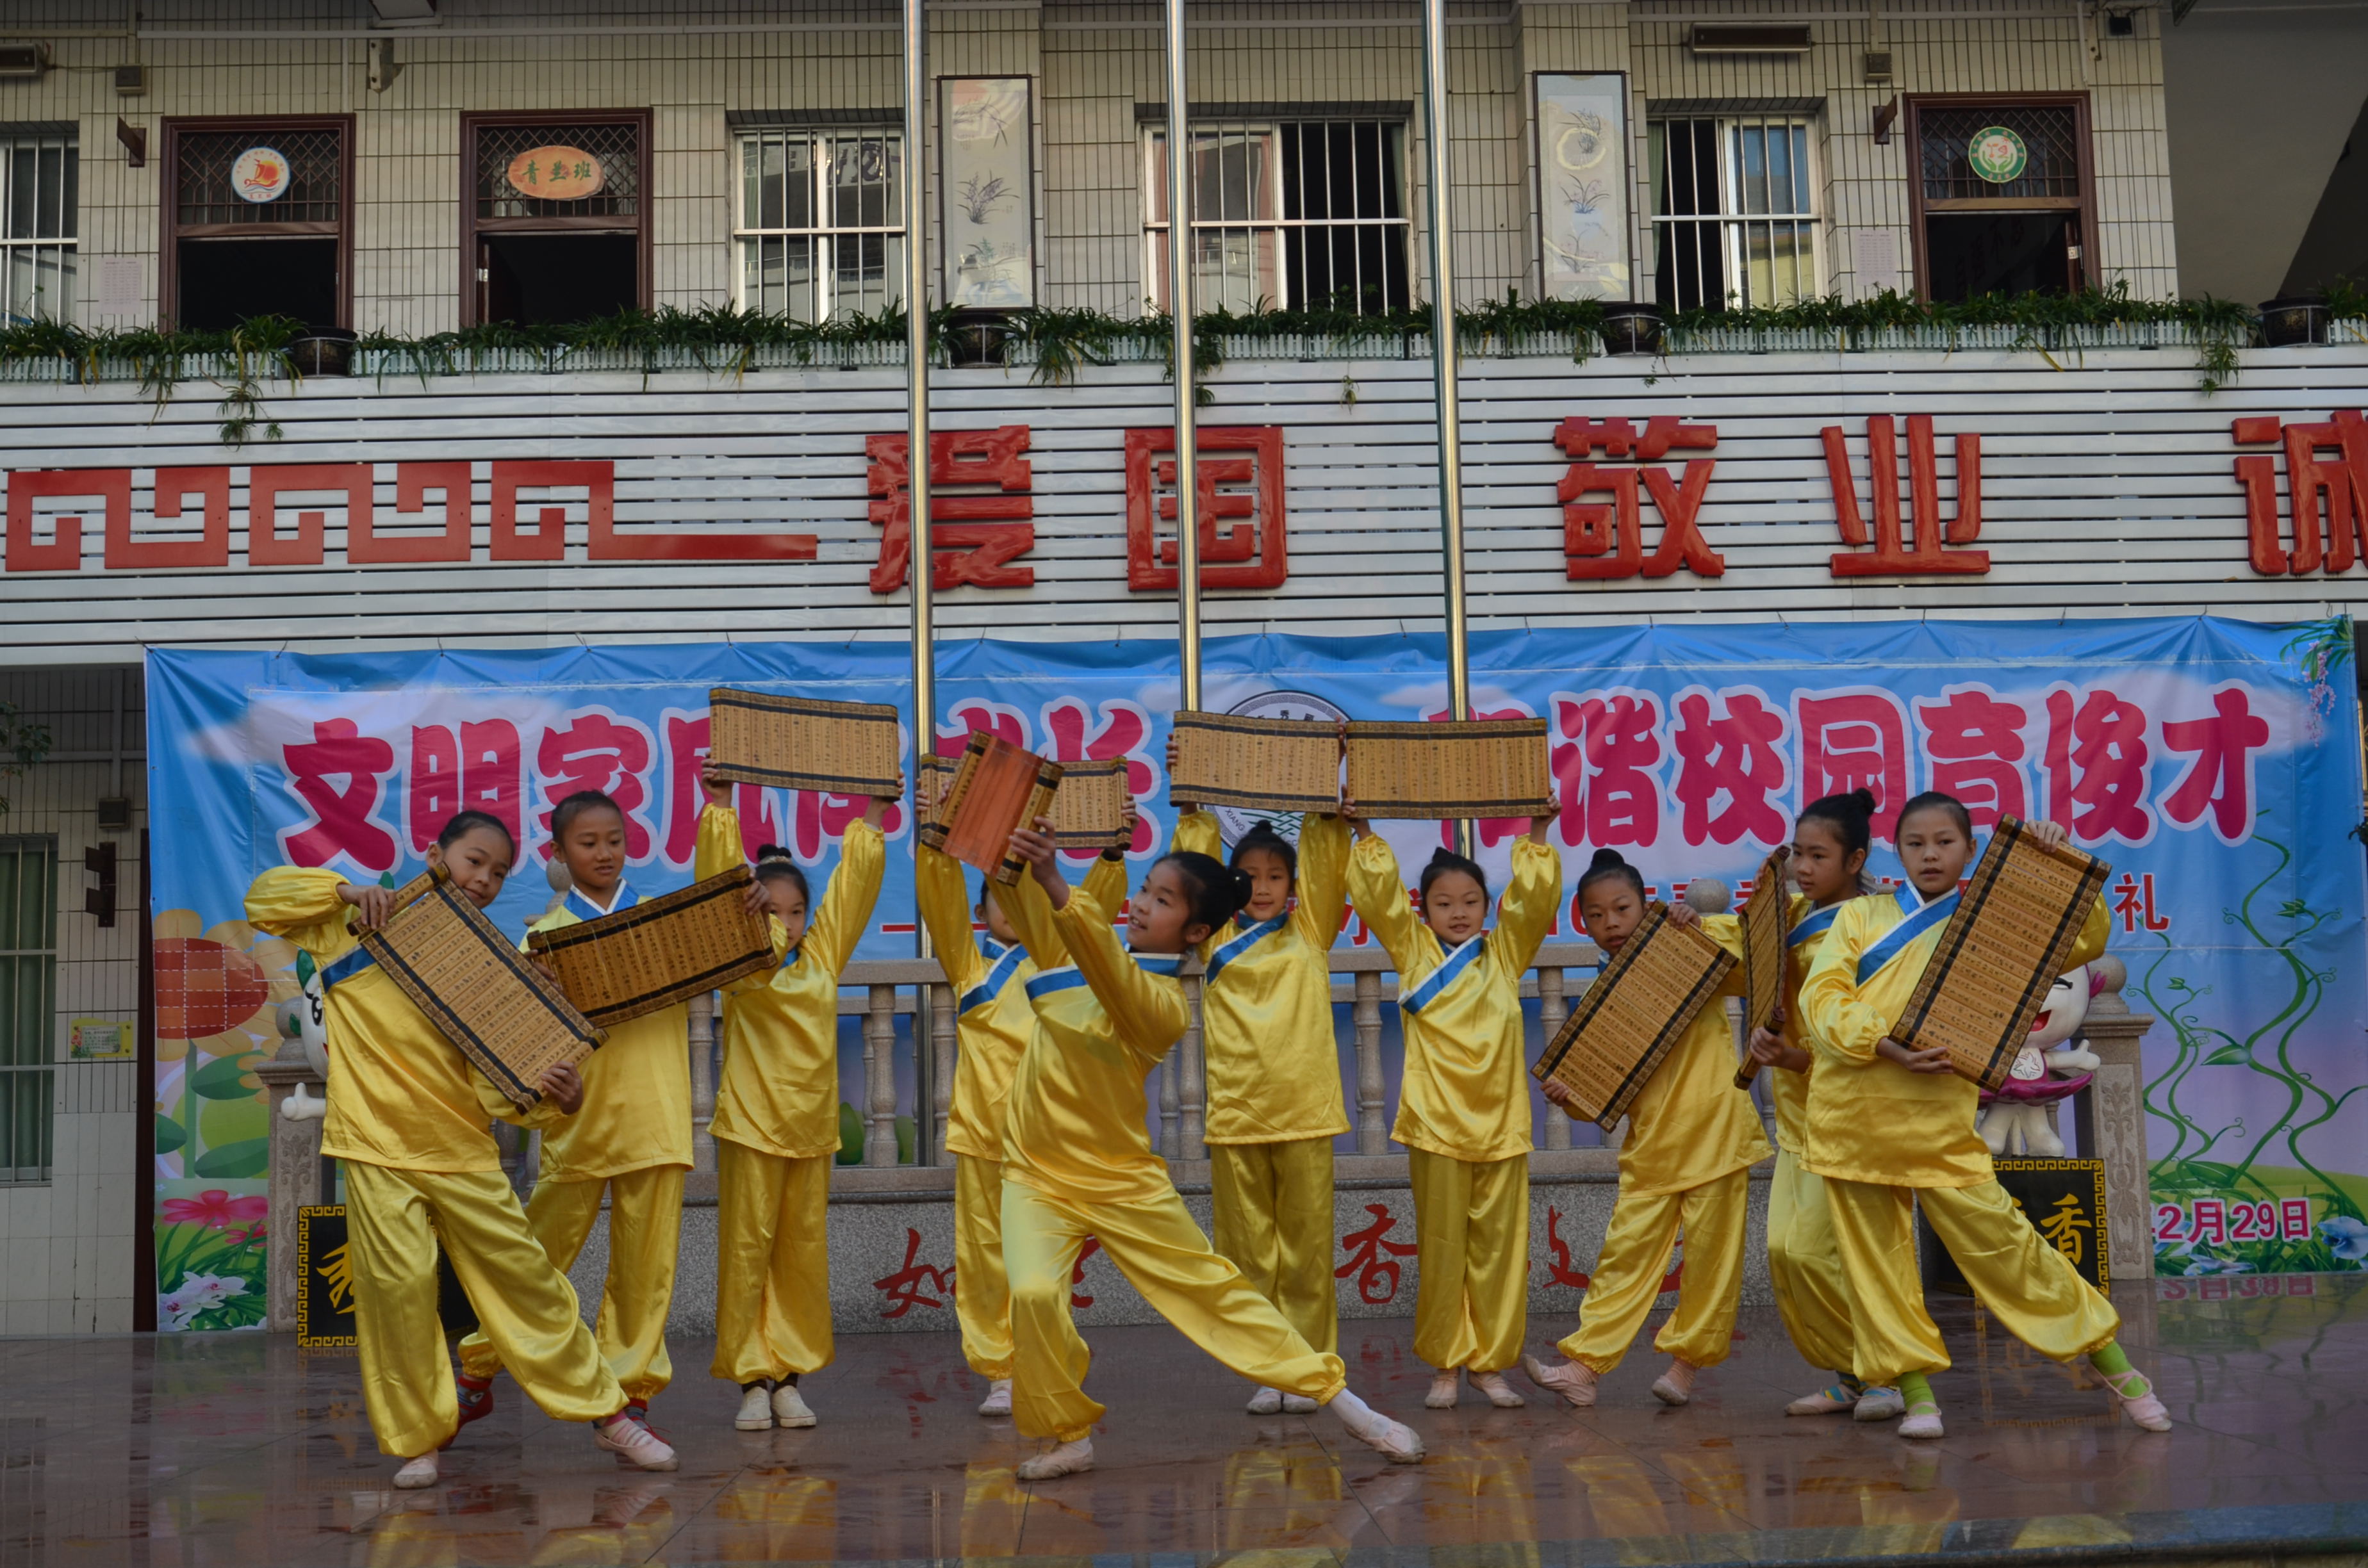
(2107, 489)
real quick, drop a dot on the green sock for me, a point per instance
(2109, 1361)
(1915, 1390)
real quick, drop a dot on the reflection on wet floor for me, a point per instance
(191, 1451)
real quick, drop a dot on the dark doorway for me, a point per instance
(537, 279)
(223, 282)
(1967, 254)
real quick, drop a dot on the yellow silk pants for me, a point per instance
(981, 1289)
(645, 1237)
(1273, 1212)
(528, 1308)
(772, 1265)
(1471, 1222)
(2033, 1291)
(1804, 1264)
(1164, 1255)
(1635, 1259)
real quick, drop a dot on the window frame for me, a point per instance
(1913, 106)
(41, 1072)
(825, 275)
(168, 256)
(1152, 134)
(1731, 220)
(475, 120)
(66, 136)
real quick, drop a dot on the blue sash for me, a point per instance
(1816, 923)
(345, 968)
(1068, 977)
(585, 909)
(1244, 943)
(1440, 978)
(1003, 963)
(1919, 919)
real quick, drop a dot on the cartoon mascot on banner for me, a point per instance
(2053, 1064)
(303, 1018)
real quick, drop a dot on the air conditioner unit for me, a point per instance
(23, 62)
(412, 11)
(1720, 37)
(131, 80)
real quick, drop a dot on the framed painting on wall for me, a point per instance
(987, 189)
(1583, 186)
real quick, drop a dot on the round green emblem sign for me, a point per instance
(1997, 154)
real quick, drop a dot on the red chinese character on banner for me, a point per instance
(2133, 904)
(1974, 740)
(980, 503)
(1377, 1277)
(1558, 1270)
(1237, 481)
(685, 749)
(1124, 732)
(2327, 498)
(340, 775)
(1594, 529)
(908, 1287)
(1603, 773)
(2097, 765)
(1079, 1299)
(819, 820)
(2220, 780)
(1731, 758)
(1854, 740)
(2293, 1219)
(1892, 556)
(2211, 1222)
(478, 772)
(597, 751)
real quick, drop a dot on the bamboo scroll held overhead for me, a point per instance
(801, 743)
(1259, 765)
(998, 787)
(1633, 1016)
(1482, 768)
(661, 952)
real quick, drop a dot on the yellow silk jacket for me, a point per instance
(1465, 1091)
(1690, 1124)
(400, 1094)
(1788, 1092)
(1266, 1003)
(1870, 1119)
(993, 1017)
(636, 1111)
(778, 1092)
(1075, 1126)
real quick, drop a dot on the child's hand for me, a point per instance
(373, 905)
(1682, 913)
(1556, 1093)
(563, 1086)
(2048, 834)
(1183, 808)
(1538, 826)
(755, 900)
(1124, 838)
(718, 791)
(1040, 849)
(543, 966)
(1935, 1059)
(1766, 1048)
(875, 811)
(1357, 825)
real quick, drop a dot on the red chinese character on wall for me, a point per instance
(1558, 1268)
(1974, 739)
(2327, 498)
(1237, 503)
(1854, 740)
(1606, 539)
(981, 501)
(1893, 555)
(1603, 761)
(340, 775)
(1729, 767)
(2220, 780)
(1377, 1277)
(910, 1286)
(2096, 764)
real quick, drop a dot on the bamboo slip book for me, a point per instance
(997, 788)
(506, 1016)
(800, 742)
(1767, 959)
(1258, 765)
(1633, 1016)
(662, 950)
(2002, 952)
(1482, 768)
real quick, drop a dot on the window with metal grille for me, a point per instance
(555, 220)
(2001, 202)
(818, 229)
(1301, 214)
(1734, 216)
(261, 215)
(38, 176)
(29, 983)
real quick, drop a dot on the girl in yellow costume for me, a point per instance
(776, 1116)
(1693, 1139)
(994, 1021)
(1890, 1128)
(632, 1142)
(1078, 1161)
(1274, 1071)
(407, 1121)
(1464, 1105)
(1829, 862)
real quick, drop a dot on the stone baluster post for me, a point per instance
(1552, 1008)
(1171, 1109)
(1193, 1092)
(1373, 1131)
(294, 1178)
(2112, 1118)
(703, 1082)
(879, 1077)
(943, 1047)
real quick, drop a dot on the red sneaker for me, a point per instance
(476, 1397)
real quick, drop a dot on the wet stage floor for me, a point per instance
(234, 1449)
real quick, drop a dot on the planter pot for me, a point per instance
(2290, 321)
(1631, 327)
(977, 336)
(325, 352)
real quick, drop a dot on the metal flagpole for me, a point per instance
(1444, 364)
(1180, 314)
(921, 566)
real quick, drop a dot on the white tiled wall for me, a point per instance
(70, 1245)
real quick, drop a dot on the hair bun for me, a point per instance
(1605, 859)
(1863, 799)
(772, 852)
